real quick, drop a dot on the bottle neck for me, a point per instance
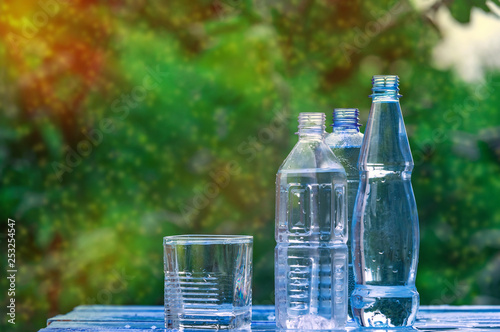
(385, 88)
(311, 126)
(346, 120)
(385, 146)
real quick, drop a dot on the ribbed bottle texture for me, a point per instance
(311, 251)
(345, 142)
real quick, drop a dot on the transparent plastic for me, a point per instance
(345, 142)
(311, 251)
(385, 239)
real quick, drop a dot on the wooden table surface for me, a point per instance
(150, 318)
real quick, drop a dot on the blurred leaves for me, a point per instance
(461, 9)
(169, 118)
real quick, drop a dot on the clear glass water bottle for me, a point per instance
(385, 239)
(345, 142)
(311, 252)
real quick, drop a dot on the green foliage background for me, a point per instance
(199, 152)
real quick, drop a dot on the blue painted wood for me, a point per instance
(112, 318)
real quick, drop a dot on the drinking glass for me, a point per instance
(208, 281)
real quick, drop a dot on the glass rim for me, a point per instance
(207, 239)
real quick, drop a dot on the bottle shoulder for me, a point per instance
(343, 140)
(310, 156)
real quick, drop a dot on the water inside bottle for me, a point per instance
(311, 285)
(385, 306)
(348, 157)
(305, 205)
(311, 269)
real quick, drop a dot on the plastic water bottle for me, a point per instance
(345, 142)
(385, 238)
(311, 251)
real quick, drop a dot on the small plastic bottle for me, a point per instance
(345, 142)
(385, 240)
(311, 251)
